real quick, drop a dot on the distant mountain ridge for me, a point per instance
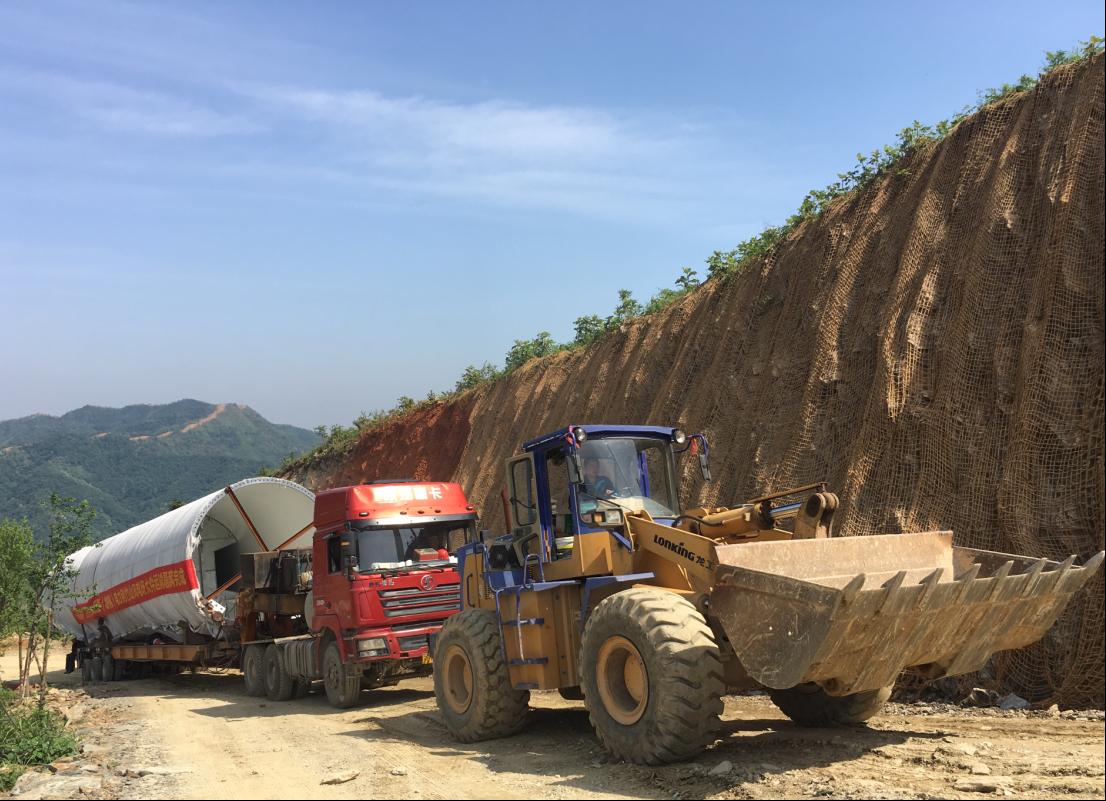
(131, 462)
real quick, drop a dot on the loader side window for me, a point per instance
(556, 469)
(522, 498)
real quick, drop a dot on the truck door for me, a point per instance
(332, 586)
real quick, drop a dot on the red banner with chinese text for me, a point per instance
(164, 580)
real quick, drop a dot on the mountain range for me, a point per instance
(132, 463)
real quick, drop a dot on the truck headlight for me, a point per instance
(372, 644)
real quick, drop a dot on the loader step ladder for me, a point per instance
(528, 585)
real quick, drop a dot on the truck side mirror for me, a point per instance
(349, 553)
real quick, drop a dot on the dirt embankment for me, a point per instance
(932, 347)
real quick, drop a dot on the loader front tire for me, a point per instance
(652, 677)
(810, 705)
(472, 682)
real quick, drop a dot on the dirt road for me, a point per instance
(201, 736)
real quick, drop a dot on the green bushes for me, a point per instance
(29, 735)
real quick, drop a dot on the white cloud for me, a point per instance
(119, 108)
(489, 128)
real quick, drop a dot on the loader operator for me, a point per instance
(595, 484)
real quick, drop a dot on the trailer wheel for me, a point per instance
(253, 669)
(652, 676)
(97, 669)
(472, 682)
(810, 705)
(342, 682)
(278, 682)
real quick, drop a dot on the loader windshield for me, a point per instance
(632, 472)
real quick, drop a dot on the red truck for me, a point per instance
(355, 610)
(382, 581)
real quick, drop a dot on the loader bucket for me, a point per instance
(850, 613)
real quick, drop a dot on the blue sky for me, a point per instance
(316, 208)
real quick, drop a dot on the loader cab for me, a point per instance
(583, 479)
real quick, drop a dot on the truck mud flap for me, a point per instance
(850, 613)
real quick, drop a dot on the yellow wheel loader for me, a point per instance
(606, 590)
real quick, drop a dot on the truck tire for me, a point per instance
(86, 669)
(343, 685)
(652, 676)
(472, 682)
(810, 705)
(97, 669)
(253, 670)
(278, 681)
(107, 665)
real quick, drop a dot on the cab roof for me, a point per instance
(598, 430)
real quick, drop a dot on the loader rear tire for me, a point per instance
(472, 682)
(652, 677)
(278, 681)
(253, 669)
(810, 705)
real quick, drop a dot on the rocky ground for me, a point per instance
(200, 736)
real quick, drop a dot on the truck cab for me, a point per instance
(359, 607)
(384, 577)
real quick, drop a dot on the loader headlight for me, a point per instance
(679, 437)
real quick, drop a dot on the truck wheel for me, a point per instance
(97, 669)
(810, 705)
(278, 682)
(86, 670)
(652, 677)
(472, 682)
(253, 669)
(343, 685)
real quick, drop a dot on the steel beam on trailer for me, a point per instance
(246, 517)
(294, 536)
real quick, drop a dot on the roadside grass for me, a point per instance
(30, 735)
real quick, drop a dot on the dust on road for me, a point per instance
(201, 736)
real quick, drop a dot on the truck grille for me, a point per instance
(413, 601)
(412, 643)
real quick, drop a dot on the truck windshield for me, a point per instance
(402, 547)
(635, 473)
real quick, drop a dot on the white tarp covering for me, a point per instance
(154, 576)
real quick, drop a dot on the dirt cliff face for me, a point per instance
(931, 346)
